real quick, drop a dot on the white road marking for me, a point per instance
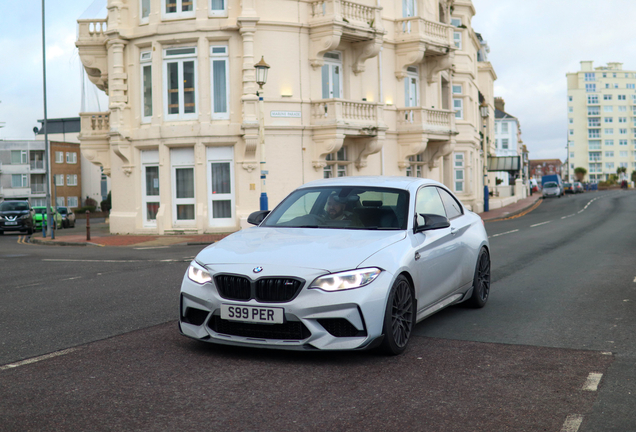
(81, 260)
(593, 380)
(151, 247)
(37, 359)
(30, 285)
(635, 280)
(76, 277)
(503, 233)
(572, 423)
(606, 353)
(565, 217)
(542, 223)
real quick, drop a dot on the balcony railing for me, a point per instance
(37, 189)
(347, 11)
(36, 165)
(328, 111)
(95, 124)
(92, 30)
(412, 28)
(425, 118)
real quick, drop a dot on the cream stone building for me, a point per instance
(355, 88)
(601, 120)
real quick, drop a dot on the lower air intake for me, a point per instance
(291, 330)
(341, 327)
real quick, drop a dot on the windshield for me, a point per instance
(41, 210)
(14, 206)
(62, 210)
(567, 185)
(343, 207)
(550, 185)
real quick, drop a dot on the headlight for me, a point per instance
(198, 274)
(346, 280)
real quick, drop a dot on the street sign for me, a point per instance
(285, 114)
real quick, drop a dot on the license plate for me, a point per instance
(253, 314)
(10, 223)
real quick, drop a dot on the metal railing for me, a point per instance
(37, 165)
(38, 188)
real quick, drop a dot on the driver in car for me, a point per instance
(336, 210)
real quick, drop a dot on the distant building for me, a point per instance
(508, 143)
(23, 172)
(541, 167)
(94, 184)
(601, 120)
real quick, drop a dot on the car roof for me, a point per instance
(374, 181)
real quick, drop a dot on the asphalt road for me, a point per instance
(561, 314)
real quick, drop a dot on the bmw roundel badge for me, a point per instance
(257, 269)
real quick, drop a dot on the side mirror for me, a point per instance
(257, 217)
(431, 222)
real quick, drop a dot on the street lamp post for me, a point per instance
(261, 78)
(46, 136)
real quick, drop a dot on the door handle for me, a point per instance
(453, 230)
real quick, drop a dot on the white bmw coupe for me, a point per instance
(340, 264)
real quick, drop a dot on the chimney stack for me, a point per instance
(500, 104)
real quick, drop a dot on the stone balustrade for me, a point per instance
(412, 28)
(346, 11)
(425, 119)
(331, 111)
(95, 123)
(92, 30)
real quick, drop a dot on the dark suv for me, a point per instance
(16, 216)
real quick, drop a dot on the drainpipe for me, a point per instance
(381, 100)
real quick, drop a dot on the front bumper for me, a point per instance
(314, 319)
(20, 226)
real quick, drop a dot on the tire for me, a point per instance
(399, 317)
(481, 281)
(1, 232)
(30, 231)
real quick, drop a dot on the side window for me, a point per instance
(428, 201)
(453, 208)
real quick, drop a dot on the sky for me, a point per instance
(533, 44)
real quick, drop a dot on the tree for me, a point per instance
(621, 170)
(634, 176)
(579, 173)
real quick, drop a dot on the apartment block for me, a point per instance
(23, 172)
(601, 120)
(355, 88)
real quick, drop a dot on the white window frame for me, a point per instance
(592, 99)
(145, 60)
(417, 163)
(594, 145)
(215, 57)
(591, 133)
(71, 179)
(58, 179)
(59, 201)
(330, 64)
(459, 110)
(590, 87)
(217, 155)
(59, 157)
(24, 158)
(24, 180)
(409, 8)
(149, 159)
(412, 87)
(179, 14)
(458, 89)
(457, 39)
(144, 19)
(180, 59)
(459, 167)
(609, 142)
(505, 144)
(456, 22)
(622, 142)
(217, 12)
(607, 97)
(336, 164)
(72, 202)
(71, 157)
(182, 158)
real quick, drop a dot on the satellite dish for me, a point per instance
(35, 130)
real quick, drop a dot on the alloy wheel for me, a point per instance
(402, 314)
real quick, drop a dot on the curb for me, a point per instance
(60, 243)
(515, 213)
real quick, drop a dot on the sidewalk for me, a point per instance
(516, 209)
(101, 236)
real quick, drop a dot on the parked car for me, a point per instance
(40, 214)
(16, 216)
(344, 263)
(578, 187)
(68, 217)
(551, 189)
(568, 188)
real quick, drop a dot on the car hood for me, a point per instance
(13, 212)
(325, 249)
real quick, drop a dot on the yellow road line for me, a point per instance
(523, 213)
